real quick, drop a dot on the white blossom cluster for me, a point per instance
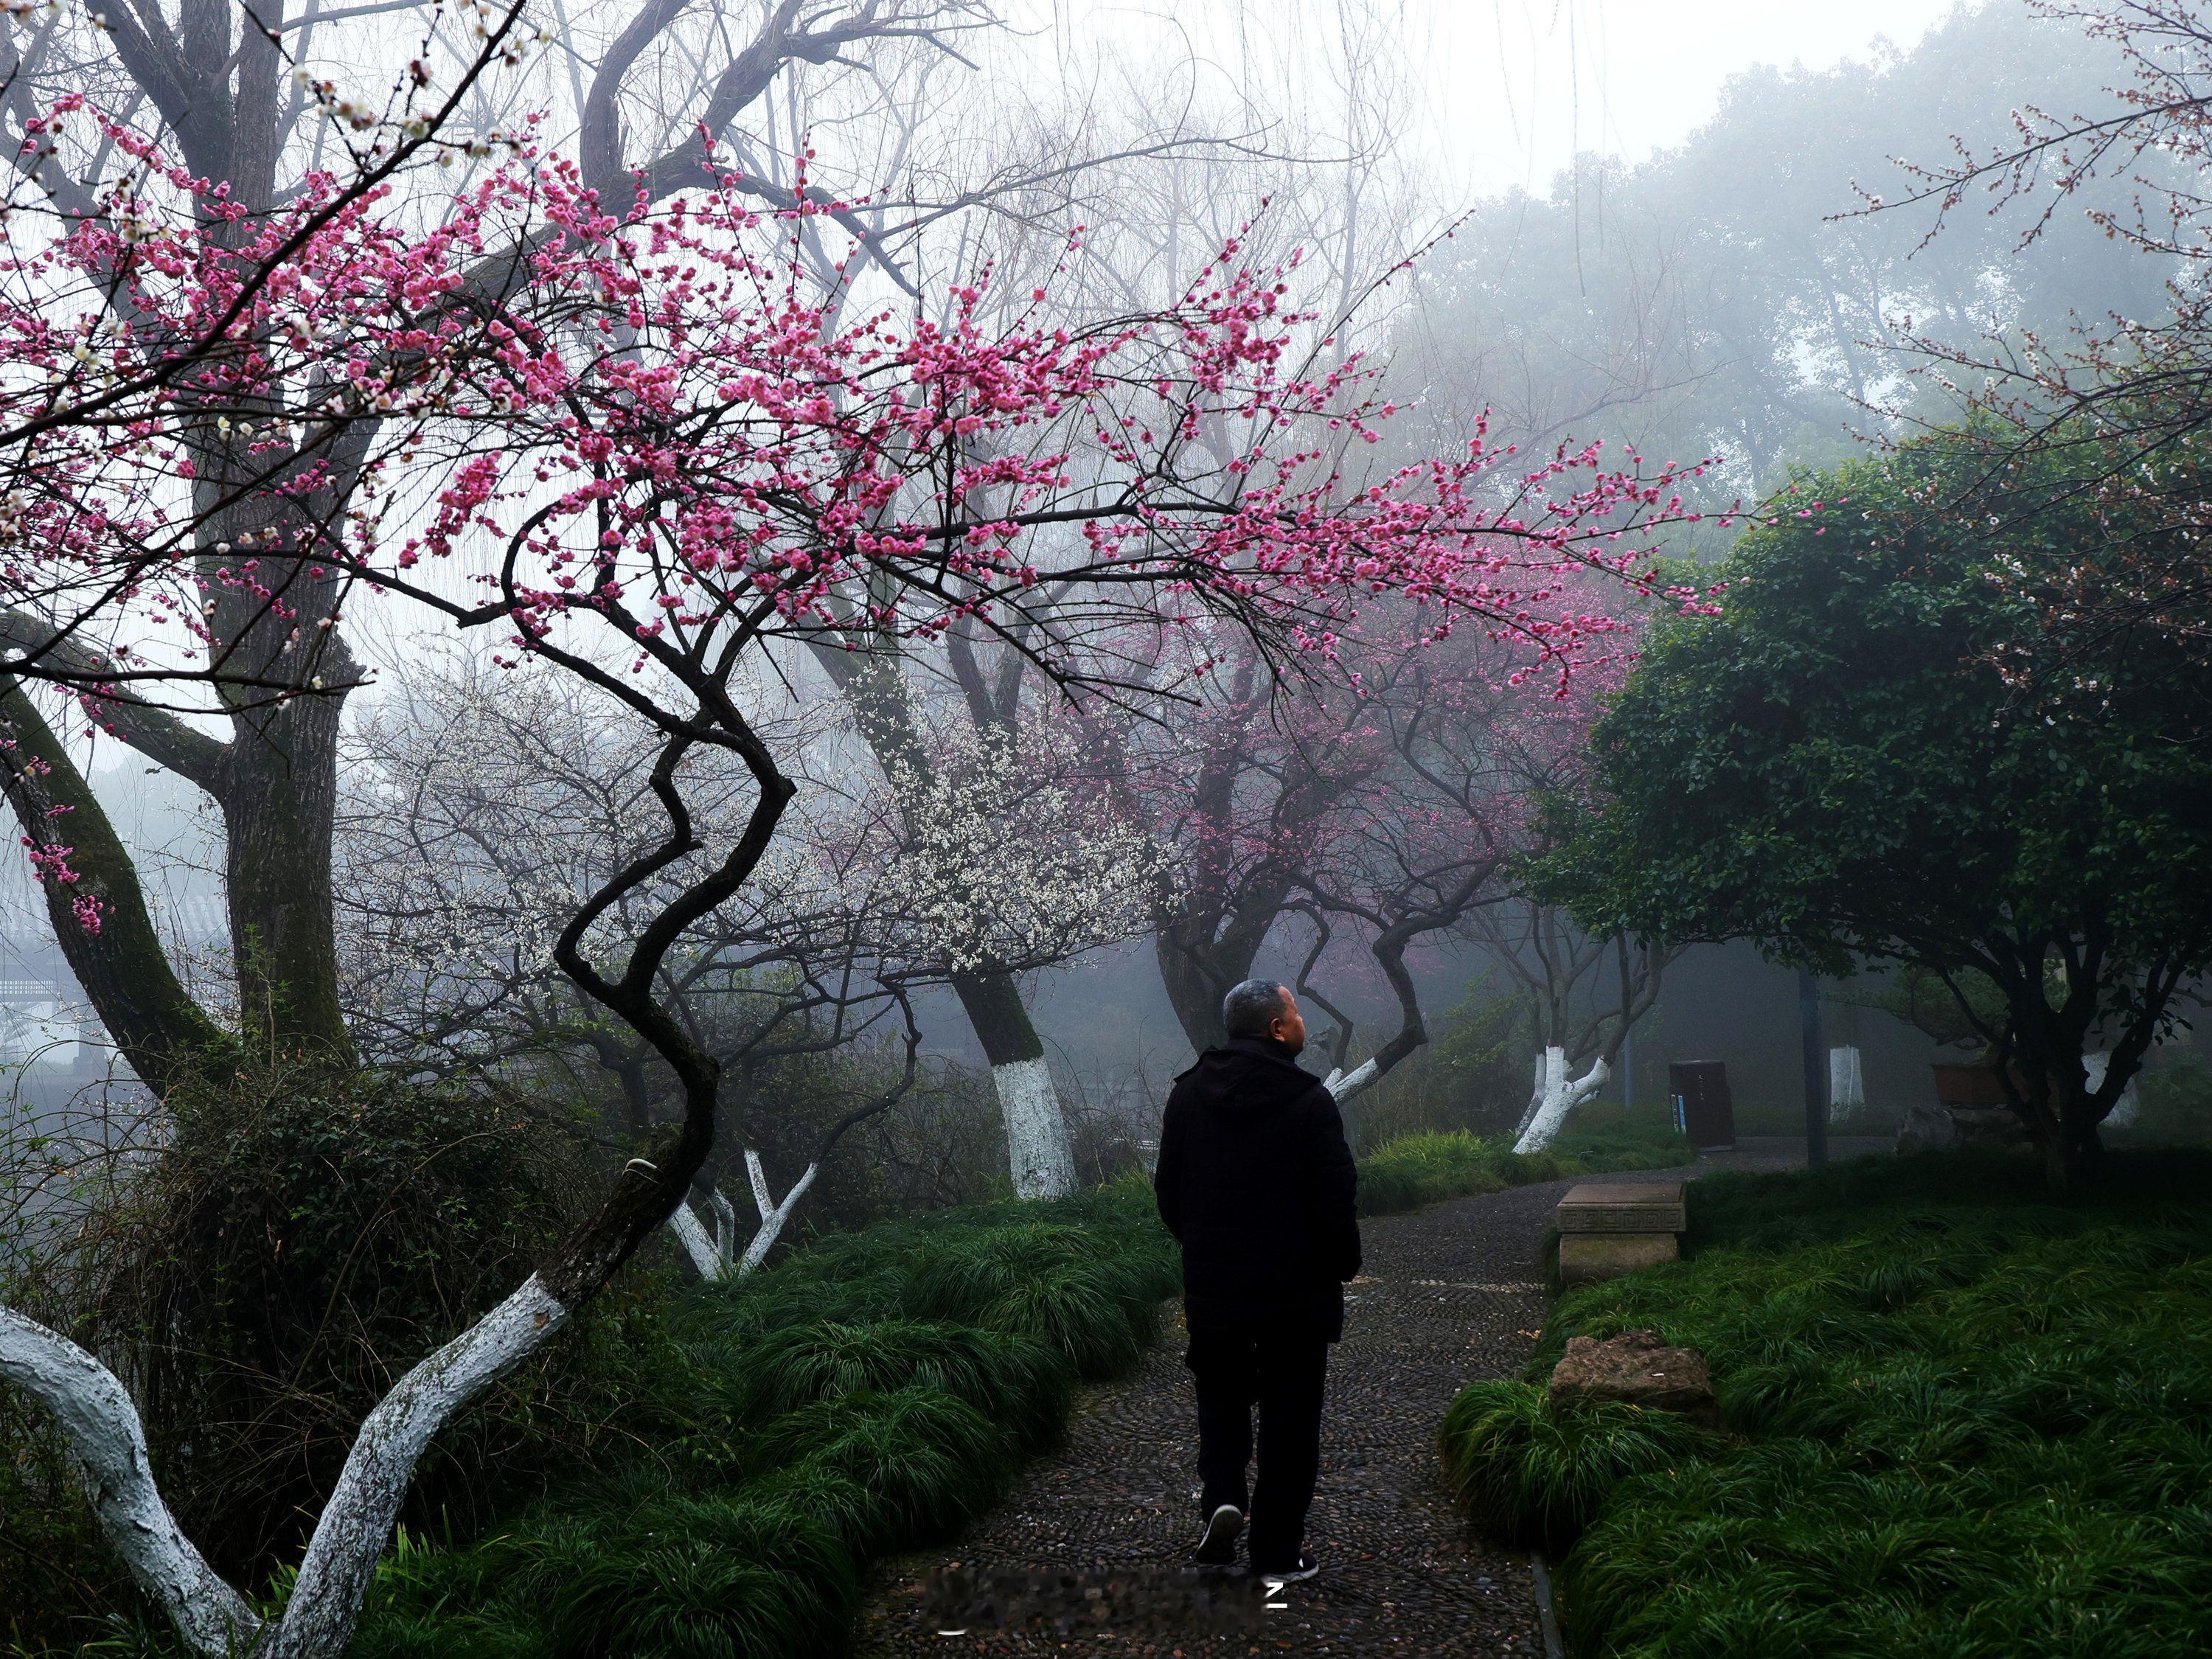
(1003, 864)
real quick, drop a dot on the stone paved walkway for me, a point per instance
(1090, 1545)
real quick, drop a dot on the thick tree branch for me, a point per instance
(104, 1432)
(154, 732)
(110, 943)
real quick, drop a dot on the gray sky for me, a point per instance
(1488, 94)
(1520, 85)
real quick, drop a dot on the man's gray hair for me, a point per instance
(1248, 1008)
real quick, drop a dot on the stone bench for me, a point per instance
(1608, 1228)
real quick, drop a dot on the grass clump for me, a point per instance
(1543, 1473)
(1416, 1170)
(1605, 1138)
(875, 1391)
(1966, 1421)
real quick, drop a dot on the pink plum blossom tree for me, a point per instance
(619, 436)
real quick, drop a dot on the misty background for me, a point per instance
(1639, 223)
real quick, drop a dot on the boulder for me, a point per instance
(1637, 1369)
(1996, 1127)
(1930, 1128)
(1926, 1129)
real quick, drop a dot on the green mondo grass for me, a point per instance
(1419, 1169)
(1965, 1422)
(874, 1393)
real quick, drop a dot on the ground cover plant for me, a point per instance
(1418, 1169)
(777, 1433)
(874, 1391)
(1966, 1420)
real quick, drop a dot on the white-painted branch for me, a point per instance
(1038, 1155)
(1846, 1081)
(691, 1233)
(1344, 1084)
(715, 1255)
(725, 1223)
(2129, 1106)
(104, 1432)
(1560, 1096)
(325, 1601)
(772, 1221)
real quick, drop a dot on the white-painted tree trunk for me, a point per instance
(1560, 1096)
(1535, 1092)
(2129, 1106)
(705, 1248)
(325, 1601)
(773, 1216)
(102, 1426)
(1345, 1088)
(103, 1430)
(1846, 1081)
(715, 1254)
(1038, 1154)
(1342, 1085)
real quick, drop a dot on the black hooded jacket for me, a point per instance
(1255, 1180)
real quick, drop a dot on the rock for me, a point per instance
(1637, 1369)
(1927, 1128)
(1988, 1127)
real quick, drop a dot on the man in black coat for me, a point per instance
(1255, 1181)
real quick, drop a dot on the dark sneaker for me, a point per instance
(1306, 1568)
(1217, 1546)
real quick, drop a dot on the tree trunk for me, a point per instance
(278, 804)
(715, 1254)
(1345, 1088)
(104, 1432)
(2057, 1164)
(114, 951)
(1039, 1155)
(1846, 1081)
(1561, 1096)
(1197, 972)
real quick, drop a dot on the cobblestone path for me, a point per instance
(1087, 1555)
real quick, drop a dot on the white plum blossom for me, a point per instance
(1002, 867)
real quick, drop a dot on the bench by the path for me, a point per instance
(1097, 1534)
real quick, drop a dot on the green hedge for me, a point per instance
(874, 1393)
(1965, 1421)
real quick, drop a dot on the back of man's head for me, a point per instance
(1251, 1007)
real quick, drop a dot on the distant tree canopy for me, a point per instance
(1726, 298)
(1851, 760)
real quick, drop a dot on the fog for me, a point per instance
(1644, 228)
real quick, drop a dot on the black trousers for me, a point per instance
(1280, 1368)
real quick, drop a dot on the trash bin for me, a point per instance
(1703, 1110)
